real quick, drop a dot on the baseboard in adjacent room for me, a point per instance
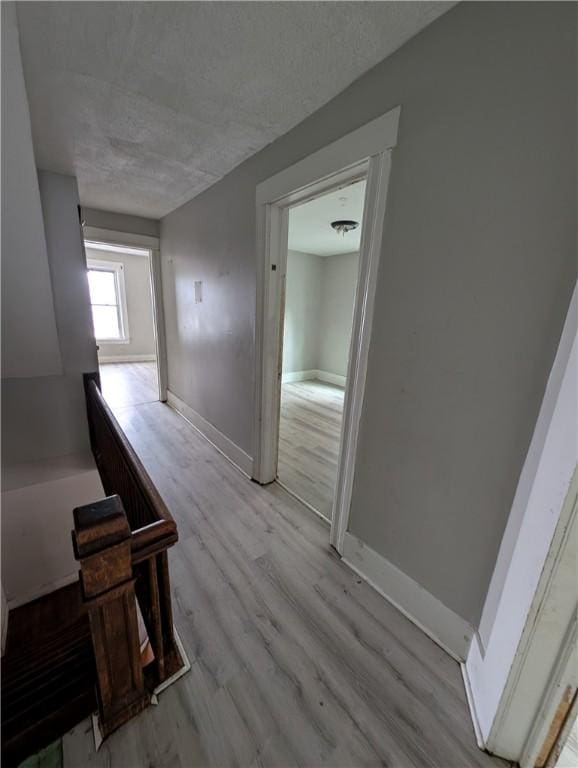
(439, 622)
(331, 378)
(313, 375)
(290, 376)
(221, 442)
(127, 358)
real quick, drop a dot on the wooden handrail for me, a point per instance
(152, 531)
(115, 457)
(152, 539)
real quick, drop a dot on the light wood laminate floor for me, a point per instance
(295, 660)
(129, 383)
(569, 755)
(309, 433)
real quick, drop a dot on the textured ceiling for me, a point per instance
(310, 223)
(150, 103)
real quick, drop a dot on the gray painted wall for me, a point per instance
(478, 263)
(319, 298)
(29, 339)
(338, 284)
(46, 345)
(120, 222)
(45, 416)
(59, 196)
(139, 307)
(46, 342)
(302, 301)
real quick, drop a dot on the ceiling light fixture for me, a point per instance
(344, 225)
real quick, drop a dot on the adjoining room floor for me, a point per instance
(309, 432)
(129, 383)
(569, 755)
(295, 660)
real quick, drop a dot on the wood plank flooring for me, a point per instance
(309, 433)
(129, 383)
(569, 755)
(295, 660)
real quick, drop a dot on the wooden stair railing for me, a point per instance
(79, 647)
(101, 541)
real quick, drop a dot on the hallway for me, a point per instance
(129, 383)
(295, 660)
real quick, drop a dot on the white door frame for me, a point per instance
(364, 152)
(544, 631)
(152, 244)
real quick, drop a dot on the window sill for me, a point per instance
(113, 341)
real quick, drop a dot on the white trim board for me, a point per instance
(117, 268)
(371, 139)
(291, 376)
(218, 440)
(126, 358)
(440, 623)
(527, 479)
(563, 679)
(492, 661)
(540, 670)
(470, 697)
(331, 378)
(114, 237)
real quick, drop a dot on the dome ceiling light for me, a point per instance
(344, 225)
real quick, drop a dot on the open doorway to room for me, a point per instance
(364, 155)
(123, 315)
(324, 236)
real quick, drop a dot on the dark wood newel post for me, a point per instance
(102, 544)
(152, 531)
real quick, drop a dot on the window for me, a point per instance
(108, 301)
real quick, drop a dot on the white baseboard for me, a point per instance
(331, 378)
(127, 358)
(221, 442)
(439, 622)
(291, 376)
(472, 702)
(313, 375)
(44, 589)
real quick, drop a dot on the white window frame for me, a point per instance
(116, 239)
(117, 268)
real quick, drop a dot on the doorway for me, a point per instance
(120, 281)
(364, 154)
(324, 236)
